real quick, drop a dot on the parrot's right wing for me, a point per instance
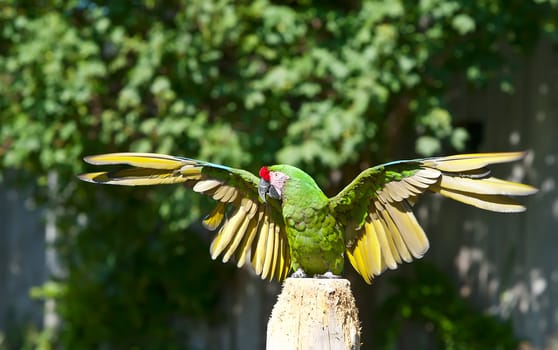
(381, 230)
(254, 231)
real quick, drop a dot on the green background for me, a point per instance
(331, 87)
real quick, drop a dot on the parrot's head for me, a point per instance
(272, 183)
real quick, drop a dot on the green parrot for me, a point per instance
(281, 221)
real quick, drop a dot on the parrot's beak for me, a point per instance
(263, 187)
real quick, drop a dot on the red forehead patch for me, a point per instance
(264, 173)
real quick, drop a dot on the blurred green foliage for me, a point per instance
(328, 86)
(428, 300)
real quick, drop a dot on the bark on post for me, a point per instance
(313, 313)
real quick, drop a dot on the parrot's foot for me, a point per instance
(328, 275)
(299, 273)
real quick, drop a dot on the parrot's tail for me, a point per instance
(143, 169)
(466, 178)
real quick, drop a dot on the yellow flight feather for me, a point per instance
(352, 256)
(142, 160)
(100, 176)
(465, 162)
(214, 219)
(246, 244)
(225, 235)
(395, 235)
(489, 185)
(238, 236)
(268, 255)
(285, 260)
(484, 201)
(386, 246)
(279, 263)
(279, 270)
(133, 177)
(259, 251)
(352, 260)
(374, 252)
(276, 257)
(363, 262)
(409, 229)
(365, 252)
(230, 229)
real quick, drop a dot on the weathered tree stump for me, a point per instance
(313, 313)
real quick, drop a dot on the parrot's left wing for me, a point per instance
(381, 229)
(254, 231)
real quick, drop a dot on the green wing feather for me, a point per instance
(376, 208)
(254, 232)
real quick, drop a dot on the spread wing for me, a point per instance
(253, 232)
(376, 208)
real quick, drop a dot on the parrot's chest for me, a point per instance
(315, 240)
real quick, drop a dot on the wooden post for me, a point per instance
(313, 313)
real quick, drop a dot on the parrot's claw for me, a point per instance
(299, 273)
(328, 275)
